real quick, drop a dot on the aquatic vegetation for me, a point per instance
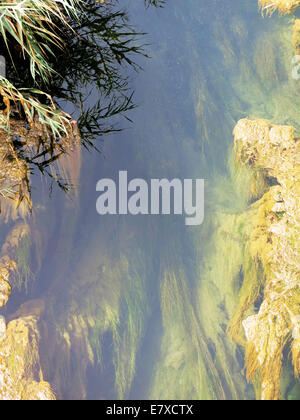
(23, 259)
(183, 349)
(156, 3)
(190, 356)
(113, 313)
(266, 63)
(15, 261)
(296, 36)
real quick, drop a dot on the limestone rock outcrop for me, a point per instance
(5, 288)
(274, 244)
(21, 376)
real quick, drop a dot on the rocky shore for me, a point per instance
(21, 376)
(273, 244)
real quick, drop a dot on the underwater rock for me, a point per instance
(21, 375)
(13, 181)
(296, 330)
(15, 197)
(34, 307)
(273, 244)
(16, 255)
(9, 269)
(249, 325)
(283, 6)
(5, 290)
(2, 328)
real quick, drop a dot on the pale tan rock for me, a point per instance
(274, 242)
(249, 325)
(5, 291)
(2, 328)
(279, 134)
(21, 376)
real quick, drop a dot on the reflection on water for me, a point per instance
(89, 66)
(138, 307)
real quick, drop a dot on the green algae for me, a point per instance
(183, 348)
(294, 393)
(24, 276)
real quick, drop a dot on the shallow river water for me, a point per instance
(138, 306)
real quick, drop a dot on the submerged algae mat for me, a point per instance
(139, 307)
